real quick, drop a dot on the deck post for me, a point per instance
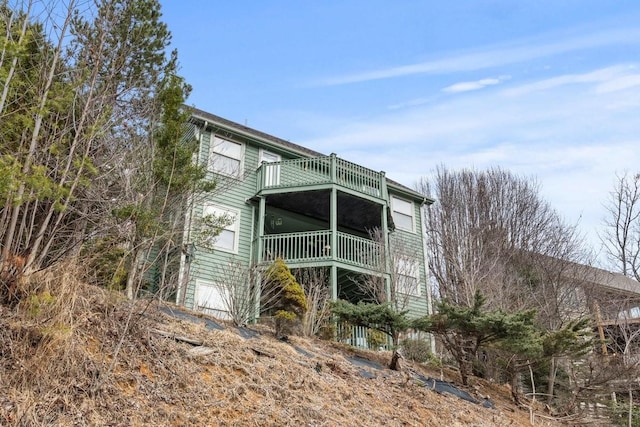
(260, 252)
(333, 223)
(384, 193)
(260, 177)
(334, 282)
(386, 255)
(333, 167)
(598, 317)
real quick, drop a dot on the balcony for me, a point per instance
(315, 246)
(319, 171)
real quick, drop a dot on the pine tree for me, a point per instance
(287, 300)
(35, 103)
(379, 317)
(464, 330)
(93, 143)
(146, 155)
(571, 342)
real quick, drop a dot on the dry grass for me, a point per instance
(73, 354)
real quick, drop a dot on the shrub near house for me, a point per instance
(290, 304)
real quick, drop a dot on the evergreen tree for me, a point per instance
(464, 330)
(94, 144)
(286, 299)
(148, 149)
(379, 317)
(571, 342)
(35, 104)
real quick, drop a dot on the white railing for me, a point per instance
(361, 337)
(321, 170)
(316, 245)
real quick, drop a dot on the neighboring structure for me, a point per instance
(608, 297)
(614, 300)
(313, 210)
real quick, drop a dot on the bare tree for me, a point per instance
(490, 231)
(398, 261)
(80, 112)
(315, 283)
(625, 338)
(237, 285)
(241, 286)
(621, 238)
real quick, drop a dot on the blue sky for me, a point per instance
(543, 88)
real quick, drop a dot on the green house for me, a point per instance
(313, 210)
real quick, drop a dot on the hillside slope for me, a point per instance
(83, 356)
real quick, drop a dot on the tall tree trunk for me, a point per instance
(630, 408)
(553, 370)
(14, 62)
(33, 146)
(134, 278)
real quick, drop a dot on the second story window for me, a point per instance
(226, 157)
(403, 214)
(227, 240)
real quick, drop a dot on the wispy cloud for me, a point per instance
(475, 85)
(573, 132)
(489, 57)
(620, 83)
(606, 76)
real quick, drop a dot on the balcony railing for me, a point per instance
(321, 170)
(311, 246)
(361, 337)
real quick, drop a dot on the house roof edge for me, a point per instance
(285, 145)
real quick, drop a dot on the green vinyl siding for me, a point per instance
(230, 193)
(233, 193)
(417, 304)
(239, 193)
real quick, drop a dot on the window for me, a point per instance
(402, 214)
(226, 156)
(271, 172)
(407, 277)
(227, 240)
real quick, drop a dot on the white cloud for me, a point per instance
(573, 132)
(620, 83)
(475, 85)
(602, 75)
(495, 56)
(410, 103)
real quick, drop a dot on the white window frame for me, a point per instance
(396, 203)
(408, 269)
(272, 175)
(218, 154)
(234, 227)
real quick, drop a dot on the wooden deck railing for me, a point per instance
(321, 170)
(358, 251)
(316, 246)
(296, 247)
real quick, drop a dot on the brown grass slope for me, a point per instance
(72, 354)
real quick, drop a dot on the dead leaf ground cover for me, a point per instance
(86, 357)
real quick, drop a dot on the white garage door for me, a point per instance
(209, 300)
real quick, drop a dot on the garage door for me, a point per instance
(209, 300)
